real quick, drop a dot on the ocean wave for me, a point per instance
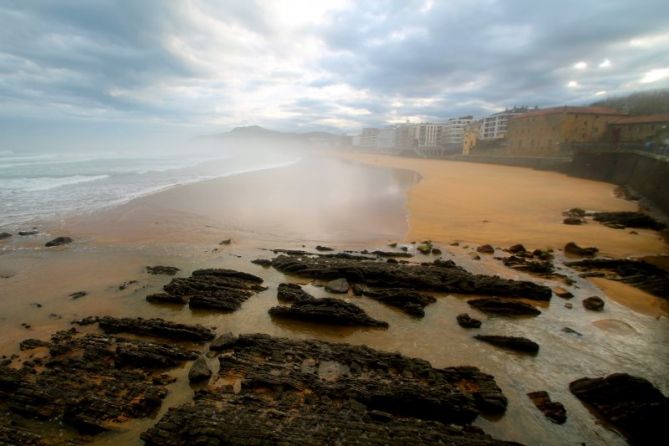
(46, 183)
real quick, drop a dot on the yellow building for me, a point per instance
(553, 131)
(470, 137)
(638, 129)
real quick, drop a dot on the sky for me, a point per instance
(130, 72)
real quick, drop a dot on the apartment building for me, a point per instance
(496, 125)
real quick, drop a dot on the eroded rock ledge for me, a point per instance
(275, 390)
(151, 327)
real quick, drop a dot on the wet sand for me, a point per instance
(182, 227)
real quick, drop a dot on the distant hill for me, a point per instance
(259, 135)
(653, 102)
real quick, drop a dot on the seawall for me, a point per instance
(559, 164)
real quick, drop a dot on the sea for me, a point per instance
(38, 186)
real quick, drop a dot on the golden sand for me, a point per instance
(501, 205)
(633, 298)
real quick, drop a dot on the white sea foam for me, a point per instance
(46, 183)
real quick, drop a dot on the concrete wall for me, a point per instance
(534, 162)
(646, 174)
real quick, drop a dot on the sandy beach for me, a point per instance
(361, 202)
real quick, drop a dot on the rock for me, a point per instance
(554, 411)
(518, 344)
(444, 263)
(573, 221)
(571, 331)
(573, 248)
(339, 286)
(315, 392)
(518, 248)
(411, 276)
(31, 232)
(621, 220)
(357, 290)
(392, 245)
(568, 305)
(225, 242)
(152, 327)
(561, 292)
(30, 344)
(223, 342)
(436, 251)
(323, 248)
(576, 212)
(78, 295)
(58, 241)
(486, 249)
(212, 289)
(327, 311)
(387, 254)
(638, 273)
(166, 270)
(631, 404)
(410, 302)
(424, 248)
(593, 303)
(496, 306)
(262, 262)
(199, 371)
(465, 321)
(292, 292)
(536, 262)
(5, 235)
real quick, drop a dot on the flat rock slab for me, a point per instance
(285, 391)
(637, 273)
(466, 321)
(211, 289)
(408, 301)
(327, 311)
(397, 275)
(160, 269)
(152, 327)
(629, 403)
(553, 410)
(58, 241)
(518, 344)
(292, 292)
(628, 220)
(502, 307)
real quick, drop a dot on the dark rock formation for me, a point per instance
(553, 410)
(323, 248)
(58, 241)
(4, 235)
(212, 289)
(227, 241)
(339, 286)
(199, 371)
(621, 220)
(327, 311)
(573, 248)
(425, 248)
(575, 212)
(292, 292)
(638, 273)
(466, 321)
(593, 303)
(486, 249)
(536, 262)
(152, 327)
(78, 295)
(561, 292)
(518, 344)
(312, 392)
(507, 308)
(629, 403)
(410, 302)
(419, 277)
(518, 248)
(223, 342)
(391, 254)
(573, 221)
(262, 262)
(30, 232)
(30, 344)
(160, 269)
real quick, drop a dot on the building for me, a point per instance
(368, 138)
(556, 131)
(471, 135)
(428, 135)
(638, 130)
(407, 137)
(453, 131)
(495, 125)
(386, 140)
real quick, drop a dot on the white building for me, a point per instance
(495, 126)
(453, 131)
(428, 134)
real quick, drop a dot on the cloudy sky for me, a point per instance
(123, 70)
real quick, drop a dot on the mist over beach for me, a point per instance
(336, 222)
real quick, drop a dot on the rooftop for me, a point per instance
(645, 119)
(571, 110)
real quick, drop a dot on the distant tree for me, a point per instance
(641, 103)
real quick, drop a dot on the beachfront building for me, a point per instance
(368, 138)
(386, 140)
(495, 126)
(453, 132)
(406, 137)
(638, 131)
(558, 130)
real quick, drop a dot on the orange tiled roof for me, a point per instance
(644, 119)
(567, 109)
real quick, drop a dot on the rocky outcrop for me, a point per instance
(466, 321)
(266, 263)
(485, 249)
(292, 292)
(160, 269)
(213, 289)
(418, 277)
(312, 392)
(519, 344)
(629, 403)
(199, 371)
(622, 220)
(152, 327)
(537, 262)
(338, 286)
(553, 410)
(503, 307)
(59, 241)
(573, 248)
(593, 303)
(5, 235)
(410, 302)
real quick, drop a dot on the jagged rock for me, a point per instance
(313, 392)
(518, 344)
(30, 232)
(518, 248)
(628, 220)
(340, 286)
(573, 221)
(58, 241)
(29, 344)
(323, 248)
(160, 269)
(486, 249)
(327, 311)
(553, 410)
(638, 273)
(631, 404)
(573, 248)
(212, 289)
(536, 262)
(466, 321)
(418, 277)
(593, 303)
(225, 242)
(262, 262)
(4, 235)
(388, 254)
(576, 212)
(223, 342)
(408, 301)
(507, 308)
(292, 292)
(199, 371)
(152, 327)
(78, 295)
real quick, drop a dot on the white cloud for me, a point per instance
(606, 63)
(581, 65)
(655, 75)
(600, 93)
(573, 84)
